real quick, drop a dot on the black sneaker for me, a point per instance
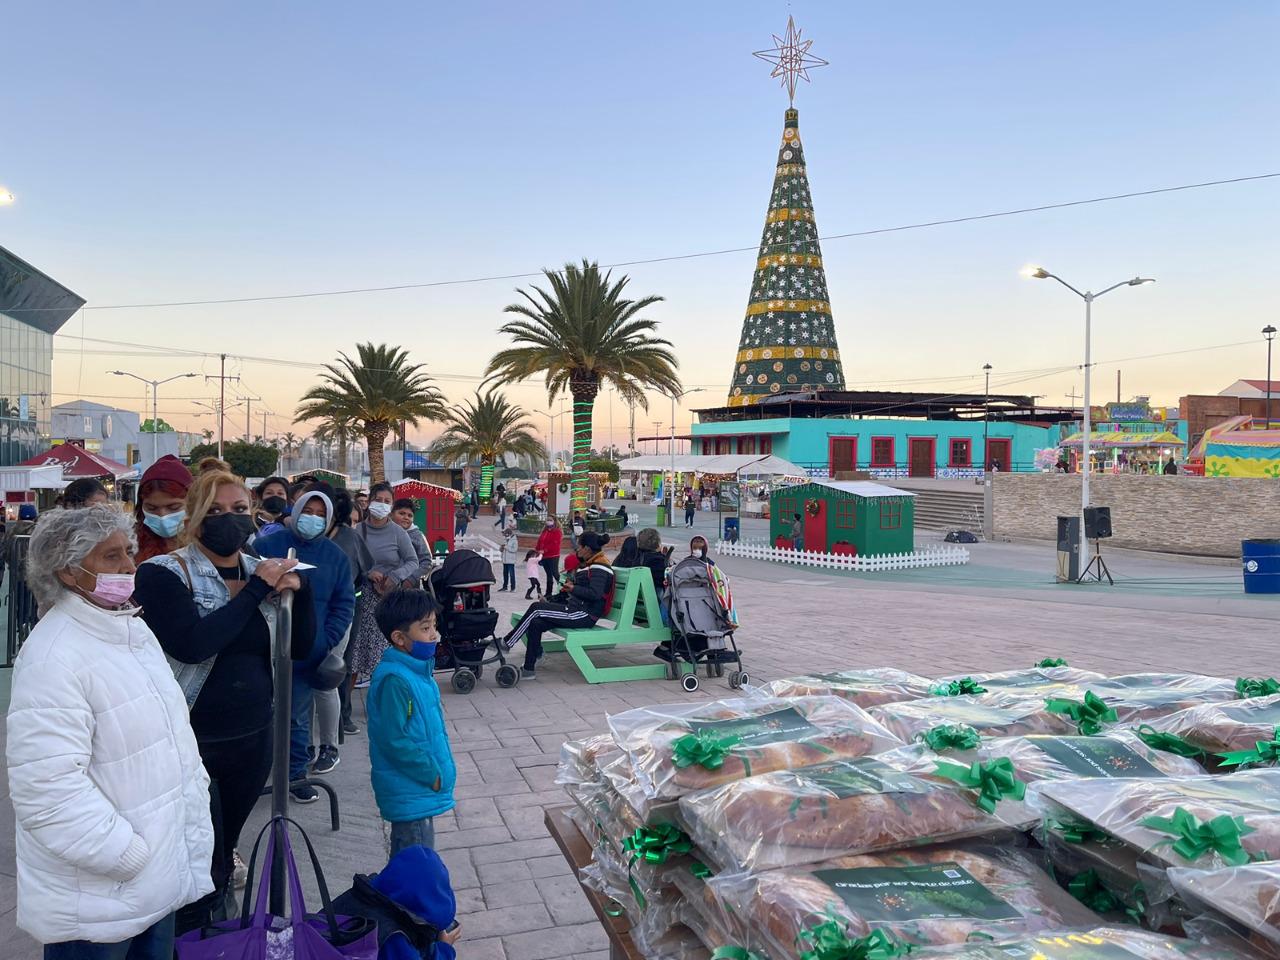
(304, 793)
(350, 728)
(327, 760)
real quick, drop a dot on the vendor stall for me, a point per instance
(433, 510)
(1117, 450)
(77, 463)
(38, 485)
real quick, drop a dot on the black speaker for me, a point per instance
(1097, 523)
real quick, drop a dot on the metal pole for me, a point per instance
(672, 451)
(1270, 333)
(986, 421)
(155, 421)
(1085, 425)
(283, 668)
(222, 400)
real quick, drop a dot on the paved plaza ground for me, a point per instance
(516, 897)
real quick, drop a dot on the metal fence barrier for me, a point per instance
(20, 603)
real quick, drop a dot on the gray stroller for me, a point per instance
(701, 631)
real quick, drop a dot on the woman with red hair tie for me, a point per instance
(161, 507)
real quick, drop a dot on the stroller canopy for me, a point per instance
(462, 567)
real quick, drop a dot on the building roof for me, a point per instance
(867, 489)
(1115, 439)
(34, 297)
(931, 405)
(743, 464)
(1250, 388)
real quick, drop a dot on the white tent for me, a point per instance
(742, 464)
(22, 479)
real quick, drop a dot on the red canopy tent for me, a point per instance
(77, 462)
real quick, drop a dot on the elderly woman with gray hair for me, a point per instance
(109, 795)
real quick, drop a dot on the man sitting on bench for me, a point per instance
(577, 607)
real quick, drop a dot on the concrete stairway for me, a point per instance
(946, 505)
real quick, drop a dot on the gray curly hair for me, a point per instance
(62, 539)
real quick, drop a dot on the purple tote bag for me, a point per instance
(260, 936)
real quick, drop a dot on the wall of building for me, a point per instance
(26, 382)
(1203, 412)
(101, 429)
(1177, 514)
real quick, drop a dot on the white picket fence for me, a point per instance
(934, 556)
(481, 545)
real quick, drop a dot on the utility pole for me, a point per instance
(1117, 386)
(264, 426)
(222, 379)
(631, 443)
(248, 406)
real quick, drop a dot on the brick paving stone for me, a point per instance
(477, 812)
(498, 769)
(488, 948)
(470, 900)
(549, 867)
(525, 823)
(516, 850)
(504, 871)
(513, 893)
(565, 899)
(565, 941)
(472, 839)
(501, 921)
(462, 872)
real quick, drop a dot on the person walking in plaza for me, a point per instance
(394, 562)
(162, 507)
(533, 570)
(690, 509)
(334, 601)
(582, 603)
(500, 503)
(213, 608)
(333, 707)
(110, 798)
(510, 556)
(410, 763)
(550, 543)
(402, 513)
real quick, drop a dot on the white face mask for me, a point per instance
(379, 510)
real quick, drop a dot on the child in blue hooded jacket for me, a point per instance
(411, 765)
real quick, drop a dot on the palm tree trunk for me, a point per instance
(342, 452)
(584, 395)
(375, 435)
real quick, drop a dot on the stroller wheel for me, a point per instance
(463, 680)
(690, 682)
(738, 679)
(507, 675)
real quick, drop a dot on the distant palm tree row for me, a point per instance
(580, 334)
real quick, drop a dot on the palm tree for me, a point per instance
(207, 434)
(333, 432)
(376, 392)
(582, 335)
(288, 443)
(485, 430)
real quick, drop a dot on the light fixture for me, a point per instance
(6, 197)
(1139, 281)
(1035, 273)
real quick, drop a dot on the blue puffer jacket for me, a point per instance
(408, 745)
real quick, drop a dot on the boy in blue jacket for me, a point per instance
(411, 765)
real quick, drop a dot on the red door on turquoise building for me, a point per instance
(921, 456)
(999, 454)
(842, 455)
(815, 525)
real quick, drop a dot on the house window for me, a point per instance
(961, 452)
(890, 515)
(882, 451)
(766, 444)
(746, 444)
(786, 511)
(722, 446)
(846, 514)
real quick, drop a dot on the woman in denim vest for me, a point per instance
(213, 609)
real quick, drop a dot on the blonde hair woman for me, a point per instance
(213, 609)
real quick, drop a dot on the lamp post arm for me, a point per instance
(1054, 276)
(1122, 283)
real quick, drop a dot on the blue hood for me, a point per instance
(417, 879)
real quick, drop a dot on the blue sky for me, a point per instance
(165, 152)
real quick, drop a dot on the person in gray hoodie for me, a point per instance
(394, 561)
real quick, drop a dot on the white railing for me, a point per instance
(481, 545)
(934, 556)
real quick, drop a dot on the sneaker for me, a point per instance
(327, 760)
(239, 872)
(350, 728)
(362, 684)
(304, 793)
(528, 673)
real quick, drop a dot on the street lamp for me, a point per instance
(1270, 333)
(6, 197)
(671, 499)
(155, 404)
(986, 417)
(1040, 273)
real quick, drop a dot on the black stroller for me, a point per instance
(701, 630)
(468, 625)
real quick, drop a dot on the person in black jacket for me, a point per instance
(578, 607)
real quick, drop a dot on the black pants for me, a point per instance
(537, 620)
(238, 770)
(552, 566)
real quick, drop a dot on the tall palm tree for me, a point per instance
(207, 434)
(377, 391)
(582, 334)
(335, 432)
(288, 443)
(485, 430)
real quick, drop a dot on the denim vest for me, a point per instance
(209, 591)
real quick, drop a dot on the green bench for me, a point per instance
(634, 617)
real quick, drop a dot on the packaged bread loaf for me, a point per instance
(990, 714)
(1248, 895)
(1205, 821)
(580, 760)
(1214, 728)
(935, 895)
(1032, 682)
(678, 748)
(867, 688)
(1140, 696)
(1100, 943)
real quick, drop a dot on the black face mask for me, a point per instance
(224, 534)
(276, 505)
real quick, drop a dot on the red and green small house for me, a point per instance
(434, 508)
(857, 517)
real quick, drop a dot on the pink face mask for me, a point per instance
(111, 589)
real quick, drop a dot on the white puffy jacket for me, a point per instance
(109, 794)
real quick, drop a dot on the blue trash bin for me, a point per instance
(731, 529)
(1261, 562)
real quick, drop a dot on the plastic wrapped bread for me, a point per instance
(991, 714)
(580, 760)
(1153, 816)
(867, 688)
(1100, 943)
(1140, 696)
(934, 895)
(1032, 682)
(1249, 895)
(678, 748)
(1224, 727)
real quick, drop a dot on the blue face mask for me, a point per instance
(166, 526)
(309, 526)
(422, 651)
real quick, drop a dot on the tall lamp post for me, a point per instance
(1270, 333)
(671, 496)
(1040, 273)
(155, 404)
(986, 420)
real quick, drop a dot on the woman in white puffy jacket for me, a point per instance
(110, 798)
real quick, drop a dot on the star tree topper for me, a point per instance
(791, 58)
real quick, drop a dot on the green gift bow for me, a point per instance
(653, 845)
(1075, 832)
(1168, 742)
(735, 953)
(829, 942)
(704, 748)
(951, 737)
(1089, 890)
(1256, 686)
(957, 688)
(1264, 751)
(1089, 715)
(994, 780)
(1196, 838)
(1049, 662)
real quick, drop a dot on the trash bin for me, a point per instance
(1261, 562)
(731, 528)
(1068, 549)
(662, 516)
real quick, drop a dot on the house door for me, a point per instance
(999, 454)
(920, 456)
(815, 525)
(842, 454)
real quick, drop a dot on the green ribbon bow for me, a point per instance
(957, 688)
(1168, 742)
(1089, 890)
(1196, 838)
(1074, 831)
(994, 780)
(735, 953)
(1264, 751)
(704, 748)
(951, 737)
(1248, 687)
(699, 869)
(653, 845)
(1089, 715)
(828, 941)
(1049, 662)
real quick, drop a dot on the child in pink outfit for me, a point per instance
(533, 570)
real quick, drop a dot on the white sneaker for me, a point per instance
(239, 872)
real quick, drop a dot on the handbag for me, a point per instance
(300, 936)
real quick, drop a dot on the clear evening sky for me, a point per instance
(179, 151)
